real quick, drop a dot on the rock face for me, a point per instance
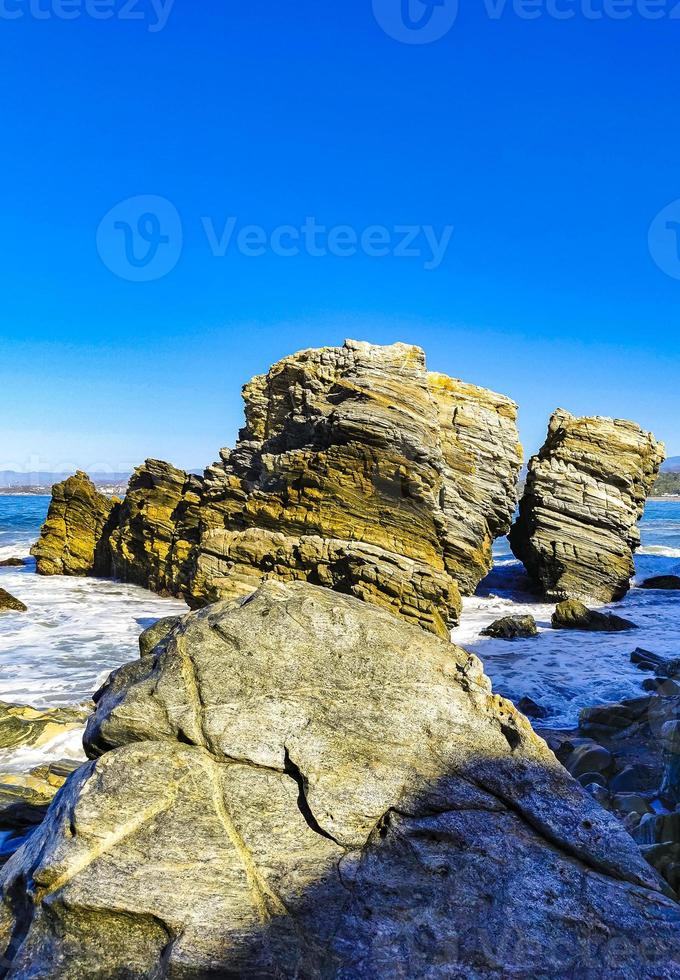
(357, 469)
(585, 493)
(360, 471)
(71, 539)
(155, 528)
(299, 784)
(9, 603)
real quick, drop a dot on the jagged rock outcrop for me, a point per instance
(10, 603)
(299, 784)
(357, 469)
(361, 471)
(72, 538)
(584, 495)
(155, 528)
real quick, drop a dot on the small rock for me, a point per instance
(590, 778)
(9, 604)
(512, 628)
(613, 718)
(598, 793)
(631, 779)
(589, 759)
(630, 803)
(645, 659)
(12, 563)
(531, 709)
(666, 582)
(574, 615)
(664, 687)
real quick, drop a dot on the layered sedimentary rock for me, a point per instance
(155, 528)
(72, 538)
(359, 470)
(299, 784)
(585, 493)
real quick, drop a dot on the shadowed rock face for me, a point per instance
(357, 469)
(302, 785)
(71, 539)
(585, 493)
(362, 472)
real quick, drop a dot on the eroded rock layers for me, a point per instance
(299, 784)
(73, 539)
(357, 469)
(585, 493)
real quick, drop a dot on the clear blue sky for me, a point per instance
(548, 145)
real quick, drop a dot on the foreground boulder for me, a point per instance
(299, 784)
(574, 615)
(72, 539)
(357, 470)
(9, 603)
(585, 493)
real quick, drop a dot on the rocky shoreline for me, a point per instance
(304, 776)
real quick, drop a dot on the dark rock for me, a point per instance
(589, 759)
(587, 779)
(574, 615)
(614, 717)
(512, 628)
(665, 687)
(598, 793)
(632, 779)
(666, 859)
(665, 582)
(8, 603)
(531, 709)
(630, 803)
(646, 660)
(12, 563)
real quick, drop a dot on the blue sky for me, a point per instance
(548, 146)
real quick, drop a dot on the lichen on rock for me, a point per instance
(585, 493)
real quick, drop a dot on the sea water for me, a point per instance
(77, 630)
(565, 670)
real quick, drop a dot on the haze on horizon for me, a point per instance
(530, 156)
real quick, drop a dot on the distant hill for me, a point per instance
(12, 478)
(671, 465)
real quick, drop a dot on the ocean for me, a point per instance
(77, 630)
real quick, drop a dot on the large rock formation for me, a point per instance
(156, 528)
(357, 470)
(361, 471)
(299, 784)
(585, 493)
(71, 539)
